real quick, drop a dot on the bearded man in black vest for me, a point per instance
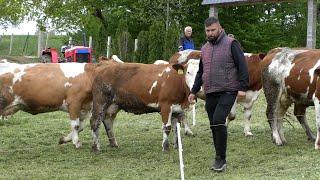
(223, 73)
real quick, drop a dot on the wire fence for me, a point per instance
(28, 45)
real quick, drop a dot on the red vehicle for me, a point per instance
(49, 55)
(80, 54)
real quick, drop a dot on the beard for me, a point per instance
(211, 38)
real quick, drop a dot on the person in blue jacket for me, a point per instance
(186, 41)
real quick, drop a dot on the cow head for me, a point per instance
(190, 60)
(191, 71)
(183, 57)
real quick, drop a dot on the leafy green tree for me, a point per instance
(141, 55)
(171, 41)
(123, 43)
(126, 45)
(156, 41)
(13, 12)
(258, 27)
(262, 27)
(122, 27)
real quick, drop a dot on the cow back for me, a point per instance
(134, 87)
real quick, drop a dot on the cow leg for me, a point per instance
(300, 113)
(74, 112)
(184, 123)
(247, 103)
(166, 114)
(282, 109)
(272, 119)
(75, 126)
(98, 115)
(68, 138)
(11, 110)
(232, 114)
(317, 110)
(108, 124)
(174, 121)
(101, 102)
(272, 91)
(247, 121)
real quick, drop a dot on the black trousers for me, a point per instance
(218, 106)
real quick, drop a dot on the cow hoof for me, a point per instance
(316, 146)
(95, 148)
(114, 145)
(175, 146)
(78, 145)
(284, 142)
(248, 134)
(231, 118)
(61, 141)
(189, 133)
(312, 139)
(279, 143)
(165, 146)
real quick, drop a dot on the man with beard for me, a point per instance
(223, 73)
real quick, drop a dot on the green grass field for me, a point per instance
(29, 150)
(22, 46)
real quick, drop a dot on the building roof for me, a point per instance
(237, 2)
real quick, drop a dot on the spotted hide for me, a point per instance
(138, 89)
(185, 56)
(40, 88)
(255, 86)
(291, 76)
(192, 58)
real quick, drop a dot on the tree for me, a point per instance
(125, 44)
(258, 27)
(141, 55)
(156, 41)
(171, 41)
(262, 27)
(13, 12)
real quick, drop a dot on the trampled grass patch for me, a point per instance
(29, 149)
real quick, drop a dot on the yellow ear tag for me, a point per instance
(180, 71)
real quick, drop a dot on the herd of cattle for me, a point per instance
(103, 89)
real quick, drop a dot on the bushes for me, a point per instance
(141, 55)
(123, 44)
(157, 43)
(171, 41)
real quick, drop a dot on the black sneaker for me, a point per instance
(219, 165)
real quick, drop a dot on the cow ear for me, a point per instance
(179, 68)
(102, 58)
(261, 55)
(317, 71)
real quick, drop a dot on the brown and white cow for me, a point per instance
(291, 76)
(254, 90)
(138, 88)
(185, 56)
(255, 86)
(39, 88)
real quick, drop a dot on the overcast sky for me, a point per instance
(23, 28)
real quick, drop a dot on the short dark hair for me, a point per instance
(211, 20)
